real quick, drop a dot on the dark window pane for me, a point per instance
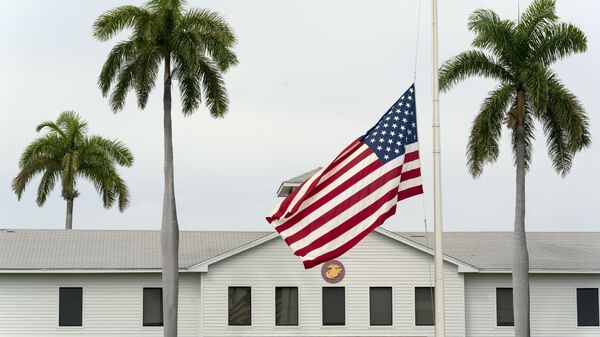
(334, 306)
(504, 307)
(240, 306)
(70, 306)
(153, 308)
(587, 307)
(286, 306)
(380, 304)
(424, 307)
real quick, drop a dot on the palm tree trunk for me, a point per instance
(520, 269)
(169, 227)
(69, 219)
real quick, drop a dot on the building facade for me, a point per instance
(107, 283)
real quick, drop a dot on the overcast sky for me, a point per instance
(313, 76)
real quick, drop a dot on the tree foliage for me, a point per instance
(65, 153)
(197, 41)
(518, 55)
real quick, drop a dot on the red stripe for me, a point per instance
(284, 204)
(344, 205)
(408, 157)
(310, 191)
(329, 196)
(346, 246)
(350, 165)
(348, 224)
(414, 173)
(410, 192)
(343, 155)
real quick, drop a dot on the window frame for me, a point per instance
(496, 307)
(238, 326)
(275, 306)
(345, 307)
(577, 326)
(369, 308)
(414, 307)
(58, 326)
(142, 306)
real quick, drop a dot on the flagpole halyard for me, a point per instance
(437, 181)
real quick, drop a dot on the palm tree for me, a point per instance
(67, 153)
(518, 55)
(195, 47)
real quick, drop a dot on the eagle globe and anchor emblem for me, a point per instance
(333, 271)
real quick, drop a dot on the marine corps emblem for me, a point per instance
(333, 271)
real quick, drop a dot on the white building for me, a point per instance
(107, 283)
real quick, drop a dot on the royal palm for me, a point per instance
(519, 55)
(65, 154)
(194, 48)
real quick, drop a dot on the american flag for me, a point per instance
(340, 204)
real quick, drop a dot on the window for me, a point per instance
(380, 305)
(152, 307)
(240, 306)
(286, 306)
(334, 306)
(70, 306)
(587, 307)
(424, 305)
(504, 307)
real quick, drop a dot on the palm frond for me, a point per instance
(493, 34)
(123, 85)
(46, 186)
(558, 41)
(566, 126)
(113, 150)
(538, 14)
(215, 36)
(120, 54)
(117, 19)
(215, 94)
(472, 63)
(189, 83)
(483, 146)
(145, 73)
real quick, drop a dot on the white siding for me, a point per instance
(112, 304)
(553, 304)
(376, 261)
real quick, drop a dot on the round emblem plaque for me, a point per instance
(333, 271)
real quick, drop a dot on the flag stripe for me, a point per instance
(347, 208)
(333, 234)
(334, 196)
(309, 263)
(323, 203)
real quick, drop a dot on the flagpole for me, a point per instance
(437, 182)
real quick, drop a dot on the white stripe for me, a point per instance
(411, 147)
(351, 234)
(356, 144)
(345, 215)
(411, 165)
(303, 190)
(391, 165)
(343, 163)
(410, 183)
(334, 184)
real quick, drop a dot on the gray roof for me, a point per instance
(34, 249)
(560, 251)
(109, 249)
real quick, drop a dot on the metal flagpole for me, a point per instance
(437, 182)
